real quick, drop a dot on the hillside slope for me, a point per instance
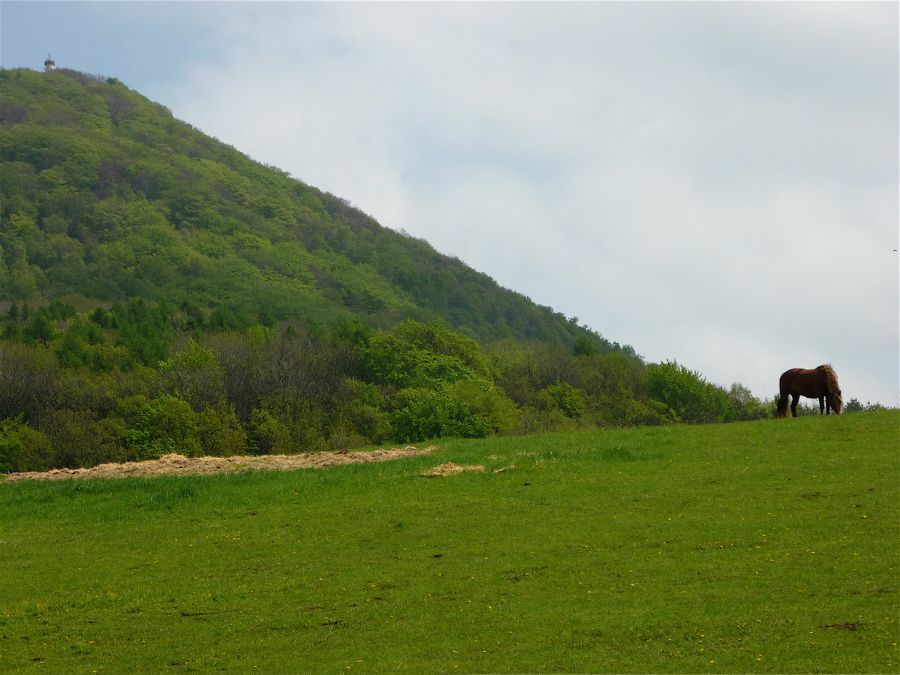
(106, 197)
(160, 292)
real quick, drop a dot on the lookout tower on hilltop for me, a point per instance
(49, 65)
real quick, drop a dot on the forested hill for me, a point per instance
(107, 197)
(161, 292)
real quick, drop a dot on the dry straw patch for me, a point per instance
(194, 466)
(451, 469)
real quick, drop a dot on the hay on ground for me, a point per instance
(194, 466)
(450, 469)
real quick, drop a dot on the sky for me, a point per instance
(712, 183)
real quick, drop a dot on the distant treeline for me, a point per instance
(140, 380)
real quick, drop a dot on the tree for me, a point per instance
(40, 329)
(853, 405)
(268, 435)
(746, 406)
(421, 414)
(31, 381)
(567, 399)
(687, 394)
(194, 375)
(220, 431)
(164, 425)
(79, 439)
(12, 454)
(422, 355)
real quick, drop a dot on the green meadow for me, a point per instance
(751, 547)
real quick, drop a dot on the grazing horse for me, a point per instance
(820, 383)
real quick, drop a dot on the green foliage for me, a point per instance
(293, 388)
(39, 329)
(220, 431)
(687, 395)
(169, 294)
(78, 439)
(267, 434)
(486, 403)
(853, 405)
(746, 406)
(12, 456)
(421, 414)
(106, 195)
(164, 425)
(443, 383)
(567, 399)
(194, 376)
(366, 413)
(423, 355)
(585, 346)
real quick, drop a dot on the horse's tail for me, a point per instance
(784, 389)
(782, 407)
(833, 387)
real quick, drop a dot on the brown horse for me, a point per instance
(820, 383)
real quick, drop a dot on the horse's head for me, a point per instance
(837, 402)
(834, 389)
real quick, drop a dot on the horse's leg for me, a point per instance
(822, 409)
(795, 399)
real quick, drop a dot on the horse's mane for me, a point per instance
(831, 380)
(832, 385)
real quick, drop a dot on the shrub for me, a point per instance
(12, 453)
(79, 439)
(267, 435)
(220, 431)
(565, 397)
(165, 425)
(420, 414)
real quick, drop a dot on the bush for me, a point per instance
(78, 439)
(267, 435)
(220, 431)
(484, 400)
(687, 394)
(854, 405)
(165, 425)
(420, 414)
(12, 453)
(565, 397)
(194, 375)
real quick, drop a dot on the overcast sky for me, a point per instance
(714, 183)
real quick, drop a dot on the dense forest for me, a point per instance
(162, 292)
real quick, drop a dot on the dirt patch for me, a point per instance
(196, 466)
(843, 626)
(450, 469)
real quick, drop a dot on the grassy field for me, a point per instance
(755, 547)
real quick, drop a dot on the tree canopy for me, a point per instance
(106, 197)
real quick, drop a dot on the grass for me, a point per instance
(757, 547)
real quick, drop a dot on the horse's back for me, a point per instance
(810, 382)
(788, 376)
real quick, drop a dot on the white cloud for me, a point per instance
(709, 182)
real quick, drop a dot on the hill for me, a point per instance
(107, 197)
(758, 547)
(161, 292)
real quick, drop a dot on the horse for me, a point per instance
(820, 383)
